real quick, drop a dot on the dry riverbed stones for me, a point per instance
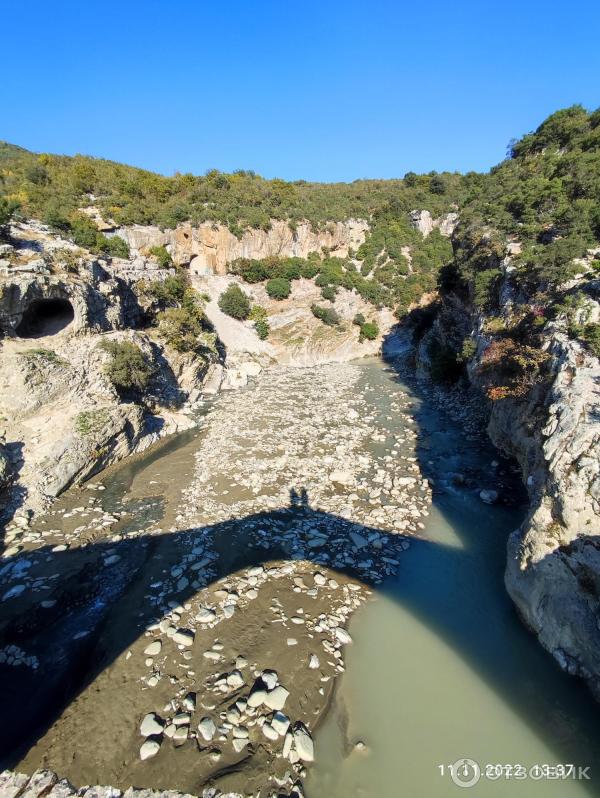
(304, 496)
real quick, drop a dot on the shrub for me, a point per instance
(262, 328)
(510, 368)
(161, 256)
(235, 303)
(591, 336)
(250, 270)
(7, 209)
(180, 327)
(168, 292)
(328, 292)
(47, 355)
(368, 331)
(468, 350)
(326, 315)
(128, 368)
(257, 313)
(279, 288)
(115, 246)
(359, 320)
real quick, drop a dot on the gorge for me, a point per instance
(304, 402)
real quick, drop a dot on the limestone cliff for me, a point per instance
(208, 248)
(63, 418)
(553, 430)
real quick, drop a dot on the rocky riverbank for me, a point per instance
(550, 425)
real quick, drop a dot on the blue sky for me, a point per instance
(329, 90)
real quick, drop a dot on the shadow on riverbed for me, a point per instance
(103, 594)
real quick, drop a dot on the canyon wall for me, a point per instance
(553, 563)
(208, 247)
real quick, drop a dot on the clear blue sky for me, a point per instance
(327, 90)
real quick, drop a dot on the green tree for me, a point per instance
(234, 302)
(180, 328)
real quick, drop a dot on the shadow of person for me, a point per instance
(101, 597)
(69, 614)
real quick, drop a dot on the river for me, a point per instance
(441, 669)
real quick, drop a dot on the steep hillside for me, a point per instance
(227, 273)
(519, 320)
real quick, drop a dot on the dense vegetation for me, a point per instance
(541, 208)
(46, 185)
(541, 205)
(177, 310)
(546, 195)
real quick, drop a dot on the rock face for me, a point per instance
(425, 223)
(553, 569)
(553, 566)
(297, 338)
(208, 248)
(64, 418)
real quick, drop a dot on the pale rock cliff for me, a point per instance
(553, 565)
(63, 420)
(424, 222)
(297, 338)
(553, 569)
(208, 248)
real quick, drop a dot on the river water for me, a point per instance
(441, 668)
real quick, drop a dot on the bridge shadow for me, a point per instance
(439, 582)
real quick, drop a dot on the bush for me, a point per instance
(257, 313)
(591, 336)
(168, 292)
(326, 315)
(180, 327)
(510, 368)
(161, 256)
(250, 270)
(235, 303)
(115, 246)
(128, 369)
(262, 328)
(359, 320)
(279, 288)
(7, 209)
(328, 292)
(369, 331)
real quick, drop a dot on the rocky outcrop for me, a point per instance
(63, 418)
(424, 222)
(208, 248)
(553, 431)
(297, 338)
(553, 568)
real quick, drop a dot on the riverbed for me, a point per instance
(349, 489)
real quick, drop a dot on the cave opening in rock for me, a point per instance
(45, 317)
